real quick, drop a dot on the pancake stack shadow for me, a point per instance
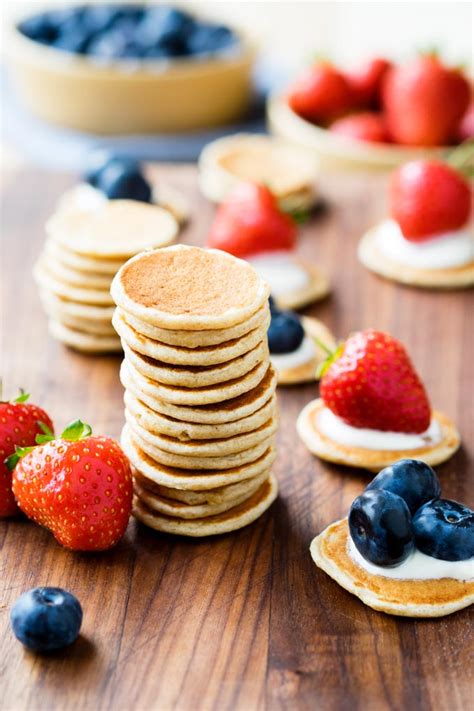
(83, 252)
(200, 403)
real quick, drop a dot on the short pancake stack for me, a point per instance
(83, 252)
(199, 389)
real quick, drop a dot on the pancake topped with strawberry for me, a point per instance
(374, 408)
(427, 239)
(250, 225)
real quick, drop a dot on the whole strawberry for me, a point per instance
(320, 94)
(78, 486)
(20, 422)
(250, 221)
(365, 126)
(428, 197)
(370, 382)
(366, 81)
(424, 102)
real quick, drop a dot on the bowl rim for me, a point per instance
(346, 148)
(19, 46)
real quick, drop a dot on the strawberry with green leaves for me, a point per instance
(20, 422)
(370, 382)
(78, 486)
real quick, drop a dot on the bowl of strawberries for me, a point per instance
(377, 114)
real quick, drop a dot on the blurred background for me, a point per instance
(286, 35)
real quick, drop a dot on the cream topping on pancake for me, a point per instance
(445, 251)
(338, 431)
(281, 271)
(305, 353)
(82, 197)
(417, 566)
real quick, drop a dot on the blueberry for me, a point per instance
(272, 304)
(445, 529)
(122, 179)
(286, 333)
(117, 42)
(414, 481)
(208, 39)
(44, 619)
(380, 526)
(163, 31)
(39, 28)
(99, 18)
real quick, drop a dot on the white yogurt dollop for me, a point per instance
(305, 352)
(282, 273)
(451, 249)
(337, 430)
(84, 197)
(417, 566)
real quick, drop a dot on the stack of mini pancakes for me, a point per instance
(199, 389)
(83, 251)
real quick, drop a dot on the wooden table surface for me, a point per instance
(245, 620)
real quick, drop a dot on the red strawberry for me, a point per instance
(250, 221)
(370, 382)
(321, 94)
(19, 425)
(424, 102)
(362, 127)
(77, 486)
(428, 197)
(366, 81)
(466, 127)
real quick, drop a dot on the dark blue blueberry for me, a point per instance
(163, 31)
(44, 619)
(117, 42)
(273, 306)
(209, 39)
(122, 179)
(286, 333)
(380, 526)
(445, 529)
(39, 28)
(414, 481)
(99, 18)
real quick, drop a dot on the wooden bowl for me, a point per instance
(335, 151)
(130, 96)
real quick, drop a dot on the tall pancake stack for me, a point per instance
(199, 389)
(83, 252)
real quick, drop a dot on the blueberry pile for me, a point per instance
(46, 619)
(111, 32)
(118, 177)
(401, 510)
(285, 333)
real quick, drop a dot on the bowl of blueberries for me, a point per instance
(118, 68)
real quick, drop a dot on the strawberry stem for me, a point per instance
(22, 397)
(76, 431)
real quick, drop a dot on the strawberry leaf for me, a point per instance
(300, 216)
(18, 454)
(332, 356)
(22, 397)
(76, 431)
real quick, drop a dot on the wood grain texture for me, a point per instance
(243, 621)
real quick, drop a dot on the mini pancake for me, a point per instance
(82, 341)
(213, 414)
(188, 288)
(198, 375)
(85, 280)
(316, 289)
(450, 278)
(288, 171)
(373, 460)
(306, 372)
(185, 431)
(197, 339)
(80, 324)
(231, 520)
(222, 494)
(81, 263)
(203, 356)
(203, 448)
(46, 280)
(60, 307)
(117, 229)
(408, 598)
(182, 479)
(226, 461)
(210, 394)
(179, 509)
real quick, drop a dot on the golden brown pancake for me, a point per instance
(408, 598)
